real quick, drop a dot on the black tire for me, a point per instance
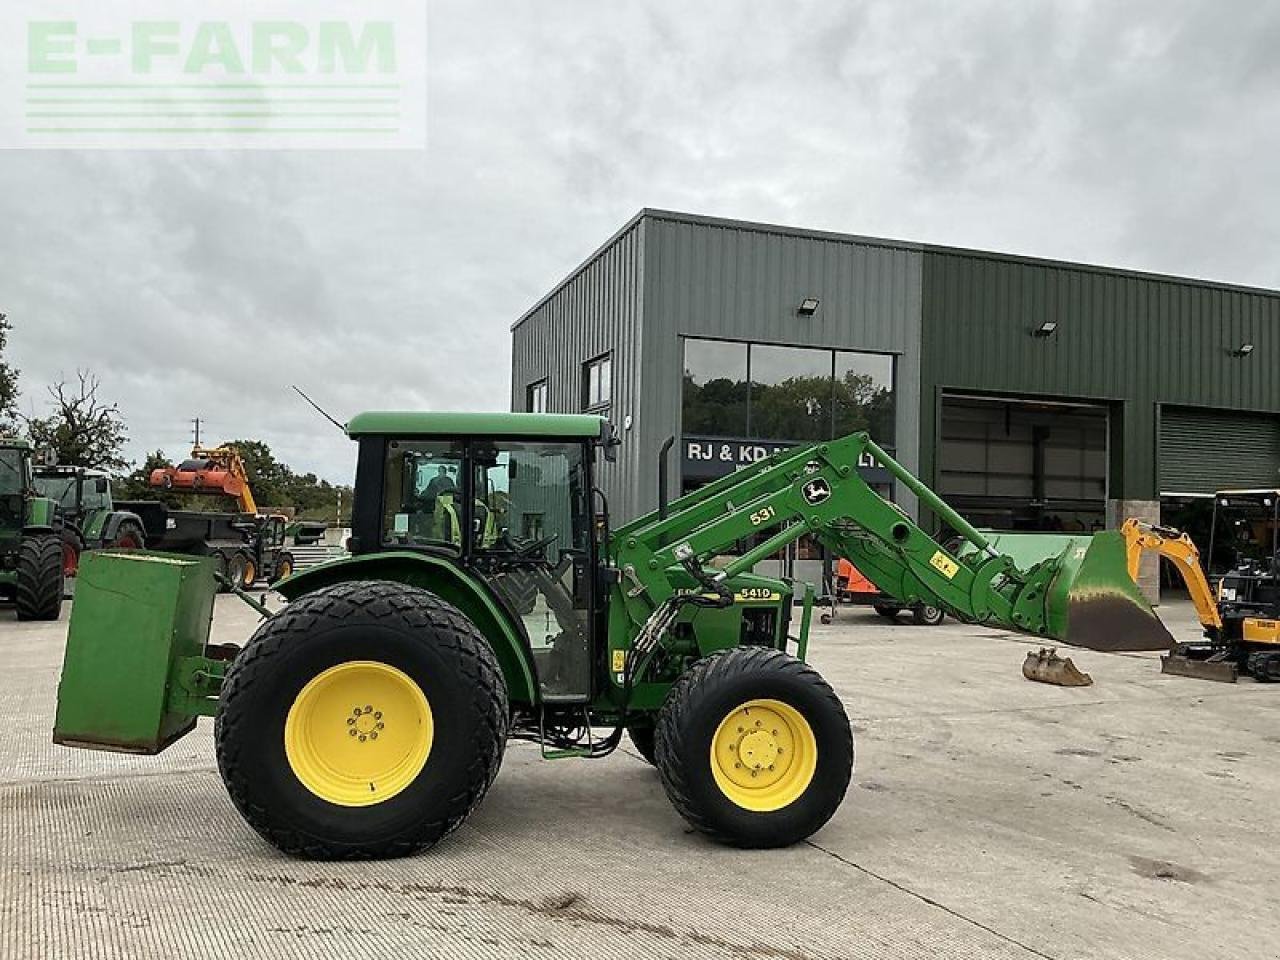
(129, 536)
(887, 610)
(707, 695)
(642, 738)
(39, 583)
(72, 547)
(408, 628)
(235, 570)
(249, 568)
(284, 568)
(220, 568)
(925, 615)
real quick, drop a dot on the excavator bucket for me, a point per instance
(1092, 602)
(1047, 667)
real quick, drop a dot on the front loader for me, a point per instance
(488, 598)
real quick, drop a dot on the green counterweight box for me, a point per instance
(130, 675)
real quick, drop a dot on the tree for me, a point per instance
(8, 382)
(84, 430)
(137, 484)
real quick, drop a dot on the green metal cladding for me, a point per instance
(1135, 341)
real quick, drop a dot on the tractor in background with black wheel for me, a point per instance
(31, 553)
(90, 518)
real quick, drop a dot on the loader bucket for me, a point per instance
(1092, 602)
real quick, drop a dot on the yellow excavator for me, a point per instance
(1249, 644)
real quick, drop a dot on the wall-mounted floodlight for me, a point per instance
(1243, 350)
(808, 307)
(1045, 329)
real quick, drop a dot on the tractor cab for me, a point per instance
(79, 492)
(508, 498)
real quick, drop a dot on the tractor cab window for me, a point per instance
(530, 530)
(423, 501)
(60, 488)
(273, 533)
(95, 494)
(13, 479)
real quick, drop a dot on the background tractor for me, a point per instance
(31, 558)
(90, 518)
(488, 597)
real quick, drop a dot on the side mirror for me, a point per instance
(47, 457)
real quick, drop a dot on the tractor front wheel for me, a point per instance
(926, 615)
(889, 611)
(234, 571)
(72, 547)
(284, 568)
(754, 748)
(364, 721)
(39, 580)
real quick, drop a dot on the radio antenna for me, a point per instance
(319, 409)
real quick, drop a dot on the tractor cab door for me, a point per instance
(530, 529)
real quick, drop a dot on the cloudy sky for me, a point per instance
(1142, 134)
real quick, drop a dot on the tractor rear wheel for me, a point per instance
(754, 748)
(642, 737)
(364, 721)
(129, 536)
(38, 586)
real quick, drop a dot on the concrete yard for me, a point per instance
(989, 817)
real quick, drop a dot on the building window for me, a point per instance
(597, 382)
(535, 397)
(715, 388)
(783, 395)
(791, 394)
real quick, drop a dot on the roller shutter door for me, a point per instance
(1202, 451)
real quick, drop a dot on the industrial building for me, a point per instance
(1032, 394)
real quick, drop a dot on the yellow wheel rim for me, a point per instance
(250, 573)
(358, 733)
(286, 569)
(763, 755)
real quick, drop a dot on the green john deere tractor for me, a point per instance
(90, 519)
(30, 538)
(488, 598)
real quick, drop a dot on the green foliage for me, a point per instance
(797, 409)
(8, 383)
(83, 430)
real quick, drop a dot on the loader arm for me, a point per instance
(237, 485)
(817, 489)
(1175, 545)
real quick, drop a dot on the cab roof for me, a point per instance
(14, 443)
(404, 423)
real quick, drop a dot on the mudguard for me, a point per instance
(447, 581)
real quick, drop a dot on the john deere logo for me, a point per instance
(815, 491)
